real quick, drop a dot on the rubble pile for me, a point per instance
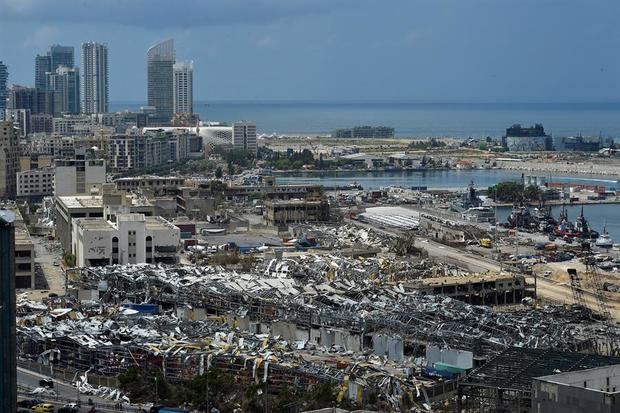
(359, 305)
(113, 339)
(349, 236)
(334, 267)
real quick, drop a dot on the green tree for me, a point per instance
(218, 172)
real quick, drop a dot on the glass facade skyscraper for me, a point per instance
(160, 90)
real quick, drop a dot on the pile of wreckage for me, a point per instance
(360, 306)
(107, 340)
(365, 335)
(332, 267)
(347, 236)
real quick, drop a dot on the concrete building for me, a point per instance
(477, 290)
(9, 151)
(158, 184)
(75, 125)
(582, 143)
(281, 213)
(35, 183)
(21, 119)
(24, 253)
(65, 83)
(21, 97)
(595, 390)
(79, 176)
(364, 132)
(61, 56)
(41, 123)
(56, 146)
(95, 206)
(94, 90)
(131, 239)
(8, 360)
(160, 90)
(184, 87)
(244, 136)
(520, 139)
(35, 161)
(4, 77)
(42, 65)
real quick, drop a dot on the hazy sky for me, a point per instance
(419, 50)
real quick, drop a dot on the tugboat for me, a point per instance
(604, 240)
(581, 228)
(471, 207)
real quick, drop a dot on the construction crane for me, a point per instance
(611, 332)
(577, 289)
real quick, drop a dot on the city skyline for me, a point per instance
(324, 50)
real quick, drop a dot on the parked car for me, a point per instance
(43, 408)
(29, 403)
(49, 383)
(69, 409)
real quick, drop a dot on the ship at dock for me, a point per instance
(538, 219)
(472, 207)
(580, 229)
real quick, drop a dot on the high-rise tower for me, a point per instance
(183, 87)
(4, 76)
(160, 91)
(94, 87)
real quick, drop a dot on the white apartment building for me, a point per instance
(79, 176)
(35, 182)
(183, 87)
(132, 239)
(244, 135)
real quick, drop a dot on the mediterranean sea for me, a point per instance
(411, 119)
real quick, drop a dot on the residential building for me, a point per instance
(21, 97)
(41, 123)
(21, 119)
(65, 83)
(158, 184)
(131, 239)
(160, 90)
(94, 87)
(56, 145)
(35, 183)
(121, 153)
(183, 87)
(35, 161)
(79, 175)
(33, 99)
(74, 125)
(244, 135)
(8, 361)
(9, 152)
(4, 77)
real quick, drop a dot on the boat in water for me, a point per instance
(471, 207)
(580, 229)
(604, 240)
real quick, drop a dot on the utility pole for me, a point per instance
(156, 392)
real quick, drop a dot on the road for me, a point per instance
(65, 392)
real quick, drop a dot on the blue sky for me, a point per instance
(340, 50)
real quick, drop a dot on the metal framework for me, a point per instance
(504, 383)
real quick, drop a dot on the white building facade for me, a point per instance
(244, 135)
(132, 239)
(35, 182)
(183, 87)
(79, 176)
